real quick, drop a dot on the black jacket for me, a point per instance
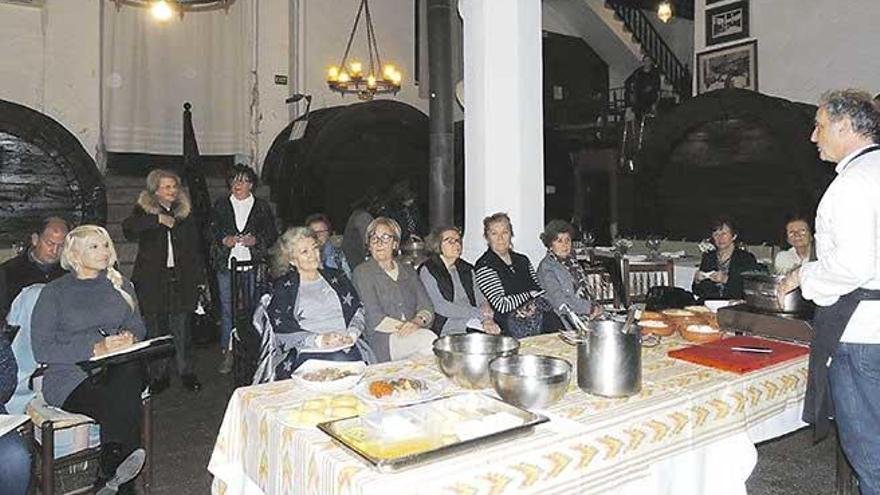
(151, 279)
(20, 272)
(435, 266)
(740, 261)
(260, 224)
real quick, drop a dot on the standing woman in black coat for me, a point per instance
(168, 269)
(242, 227)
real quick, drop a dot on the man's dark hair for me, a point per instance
(239, 171)
(319, 217)
(858, 106)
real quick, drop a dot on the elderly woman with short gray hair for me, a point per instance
(449, 280)
(560, 274)
(315, 311)
(398, 309)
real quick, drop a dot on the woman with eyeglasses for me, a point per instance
(452, 288)
(398, 309)
(799, 236)
(720, 273)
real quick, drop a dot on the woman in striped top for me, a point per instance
(508, 281)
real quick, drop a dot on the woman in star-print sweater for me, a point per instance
(315, 312)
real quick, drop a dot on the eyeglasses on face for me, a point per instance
(451, 240)
(381, 238)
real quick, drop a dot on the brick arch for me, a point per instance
(44, 170)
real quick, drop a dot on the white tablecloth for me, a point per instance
(690, 431)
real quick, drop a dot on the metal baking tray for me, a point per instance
(395, 439)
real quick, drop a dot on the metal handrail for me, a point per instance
(653, 45)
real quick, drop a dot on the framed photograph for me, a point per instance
(728, 67)
(727, 23)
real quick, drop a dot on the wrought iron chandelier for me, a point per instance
(350, 76)
(165, 9)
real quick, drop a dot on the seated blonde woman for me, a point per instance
(78, 316)
(450, 283)
(315, 311)
(394, 299)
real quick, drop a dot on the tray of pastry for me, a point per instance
(398, 438)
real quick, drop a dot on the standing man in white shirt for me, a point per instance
(844, 376)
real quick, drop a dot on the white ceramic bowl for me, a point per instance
(357, 367)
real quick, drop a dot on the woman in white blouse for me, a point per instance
(799, 236)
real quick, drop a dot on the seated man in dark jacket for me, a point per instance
(39, 264)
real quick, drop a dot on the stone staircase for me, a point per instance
(122, 193)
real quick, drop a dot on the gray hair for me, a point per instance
(388, 222)
(281, 252)
(553, 229)
(435, 238)
(856, 105)
(496, 218)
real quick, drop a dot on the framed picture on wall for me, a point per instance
(728, 67)
(727, 23)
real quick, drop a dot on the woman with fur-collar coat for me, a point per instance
(168, 268)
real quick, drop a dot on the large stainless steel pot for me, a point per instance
(759, 290)
(609, 361)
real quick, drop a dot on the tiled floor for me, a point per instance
(186, 426)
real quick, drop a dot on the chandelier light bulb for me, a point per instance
(396, 77)
(356, 68)
(333, 73)
(344, 77)
(387, 71)
(371, 81)
(664, 11)
(162, 11)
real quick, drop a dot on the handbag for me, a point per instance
(203, 325)
(664, 297)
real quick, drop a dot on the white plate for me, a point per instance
(716, 304)
(363, 391)
(330, 386)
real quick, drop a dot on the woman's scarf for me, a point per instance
(577, 274)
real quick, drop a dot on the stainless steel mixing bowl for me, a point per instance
(465, 357)
(530, 381)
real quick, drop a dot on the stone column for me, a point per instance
(504, 150)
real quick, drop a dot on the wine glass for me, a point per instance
(653, 242)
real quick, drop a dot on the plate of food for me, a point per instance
(329, 376)
(397, 390)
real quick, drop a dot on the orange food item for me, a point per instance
(650, 315)
(381, 388)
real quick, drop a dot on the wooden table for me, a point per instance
(691, 429)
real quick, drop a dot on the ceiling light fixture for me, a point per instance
(163, 10)
(350, 77)
(664, 11)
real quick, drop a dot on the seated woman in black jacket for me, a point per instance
(449, 281)
(508, 281)
(720, 273)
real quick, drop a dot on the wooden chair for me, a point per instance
(601, 287)
(50, 421)
(246, 341)
(640, 277)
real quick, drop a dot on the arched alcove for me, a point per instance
(733, 152)
(345, 152)
(44, 170)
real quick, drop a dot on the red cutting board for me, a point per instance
(718, 354)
